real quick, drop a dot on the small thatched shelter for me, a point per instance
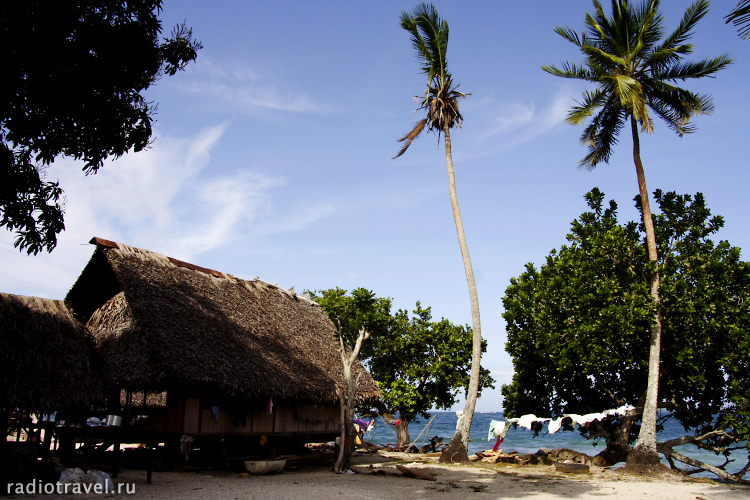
(235, 357)
(47, 358)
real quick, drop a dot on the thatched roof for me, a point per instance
(47, 359)
(158, 321)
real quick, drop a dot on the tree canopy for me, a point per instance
(422, 364)
(578, 326)
(635, 69)
(74, 74)
(418, 363)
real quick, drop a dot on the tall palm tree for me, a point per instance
(635, 71)
(429, 36)
(740, 17)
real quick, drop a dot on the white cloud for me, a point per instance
(243, 89)
(165, 199)
(515, 116)
(223, 205)
(507, 125)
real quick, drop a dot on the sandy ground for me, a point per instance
(378, 478)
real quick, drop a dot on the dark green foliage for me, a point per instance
(74, 74)
(418, 363)
(350, 313)
(578, 327)
(740, 17)
(421, 364)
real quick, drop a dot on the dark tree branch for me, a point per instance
(670, 453)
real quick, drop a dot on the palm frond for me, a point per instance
(633, 98)
(634, 71)
(697, 69)
(604, 59)
(600, 136)
(410, 136)
(648, 30)
(683, 32)
(591, 101)
(442, 104)
(418, 42)
(740, 17)
(663, 57)
(570, 35)
(674, 119)
(572, 71)
(677, 106)
(429, 36)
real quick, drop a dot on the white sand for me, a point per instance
(379, 479)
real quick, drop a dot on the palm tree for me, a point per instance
(635, 71)
(740, 17)
(429, 36)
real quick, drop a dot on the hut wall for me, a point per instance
(189, 414)
(318, 418)
(175, 411)
(191, 423)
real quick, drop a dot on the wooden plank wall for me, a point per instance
(175, 411)
(187, 414)
(192, 421)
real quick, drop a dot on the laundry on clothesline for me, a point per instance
(498, 429)
(364, 426)
(528, 421)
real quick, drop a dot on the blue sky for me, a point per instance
(272, 156)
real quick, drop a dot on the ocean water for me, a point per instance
(523, 440)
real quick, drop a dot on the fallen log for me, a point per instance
(572, 468)
(416, 473)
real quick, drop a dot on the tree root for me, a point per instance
(668, 452)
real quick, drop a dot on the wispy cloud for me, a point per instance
(514, 116)
(168, 199)
(246, 90)
(506, 125)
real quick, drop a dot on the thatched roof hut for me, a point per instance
(47, 358)
(159, 322)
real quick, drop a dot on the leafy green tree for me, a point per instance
(357, 318)
(419, 364)
(634, 68)
(740, 17)
(352, 312)
(429, 37)
(577, 326)
(74, 74)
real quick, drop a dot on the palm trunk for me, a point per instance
(645, 451)
(458, 449)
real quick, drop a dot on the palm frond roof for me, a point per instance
(47, 358)
(159, 321)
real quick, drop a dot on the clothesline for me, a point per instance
(498, 429)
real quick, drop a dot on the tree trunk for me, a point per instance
(458, 449)
(402, 430)
(645, 450)
(338, 466)
(348, 402)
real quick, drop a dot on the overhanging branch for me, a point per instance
(670, 453)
